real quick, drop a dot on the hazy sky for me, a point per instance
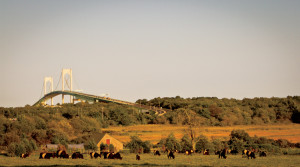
(135, 49)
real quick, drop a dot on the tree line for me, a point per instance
(239, 141)
(29, 127)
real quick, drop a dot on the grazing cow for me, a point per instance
(206, 152)
(250, 154)
(262, 154)
(157, 153)
(222, 154)
(138, 157)
(94, 155)
(77, 155)
(105, 154)
(110, 156)
(65, 156)
(189, 152)
(244, 153)
(117, 156)
(47, 155)
(25, 155)
(61, 153)
(171, 155)
(234, 152)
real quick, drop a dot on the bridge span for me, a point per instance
(93, 98)
(74, 95)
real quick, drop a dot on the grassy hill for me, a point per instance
(29, 127)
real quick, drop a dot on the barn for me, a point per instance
(105, 138)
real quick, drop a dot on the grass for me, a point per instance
(151, 160)
(154, 133)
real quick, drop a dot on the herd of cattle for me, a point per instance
(170, 154)
(76, 155)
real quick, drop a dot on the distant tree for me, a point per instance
(91, 145)
(171, 143)
(136, 145)
(186, 143)
(202, 143)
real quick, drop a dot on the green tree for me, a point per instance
(186, 143)
(91, 145)
(136, 145)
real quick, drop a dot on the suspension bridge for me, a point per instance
(66, 78)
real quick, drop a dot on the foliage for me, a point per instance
(91, 145)
(136, 145)
(202, 144)
(170, 143)
(43, 125)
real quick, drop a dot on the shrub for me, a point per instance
(202, 144)
(91, 145)
(136, 145)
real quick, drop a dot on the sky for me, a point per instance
(136, 49)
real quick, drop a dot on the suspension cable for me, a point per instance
(58, 82)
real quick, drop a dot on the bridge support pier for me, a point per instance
(68, 82)
(46, 80)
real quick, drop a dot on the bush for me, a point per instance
(171, 143)
(136, 145)
(186, 144)
(202, 144)
(91, 145)
(103, 147)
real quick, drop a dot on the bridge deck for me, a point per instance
(94, 98)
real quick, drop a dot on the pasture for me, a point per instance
(151, 160)
(154, 133)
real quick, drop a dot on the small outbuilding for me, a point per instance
(76, 147)
(104, 138)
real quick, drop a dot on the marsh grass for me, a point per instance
(151, 160)
(154, 133)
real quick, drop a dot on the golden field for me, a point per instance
(154, 133)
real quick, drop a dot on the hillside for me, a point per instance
(72, 123)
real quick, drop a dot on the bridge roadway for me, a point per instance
(93, 98)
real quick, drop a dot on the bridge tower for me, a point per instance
(68, 82)
(46, 80)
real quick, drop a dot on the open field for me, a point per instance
(154, 133)
(151, 160)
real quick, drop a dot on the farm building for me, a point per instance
(76, 147)
(51, 147)
(104, 138)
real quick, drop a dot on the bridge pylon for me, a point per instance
(68, 82)
(46, 80)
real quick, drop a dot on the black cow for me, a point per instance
(117, 156)
(171, 155)
(47, 155)
(110, 155)
(244, 153)
(157, 153)
(234, 152)
(25, 155)
(189, 152)
(262, 154)
(65, 156)
(105, 154)
(77, 155)
(206, 152)
(61, 154)
(222, 154)
(95, 155)
(138, 157)
(250, 154)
